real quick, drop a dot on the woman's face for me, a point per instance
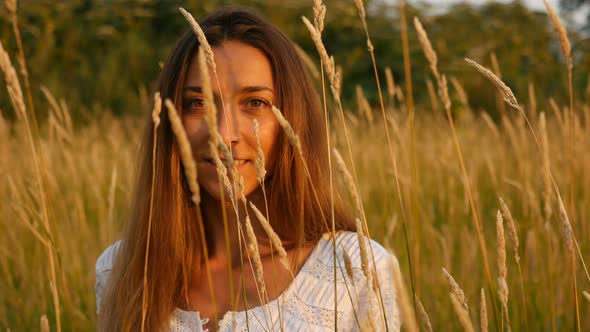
(246, 84)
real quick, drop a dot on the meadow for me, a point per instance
(432, 176)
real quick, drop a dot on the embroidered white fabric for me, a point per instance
(308, 302)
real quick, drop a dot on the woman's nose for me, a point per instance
(228, 125)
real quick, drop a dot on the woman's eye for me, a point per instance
(194, 104)
(256, 103)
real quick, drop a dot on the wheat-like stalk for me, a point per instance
(363, 249)
(363, 104)
(327, 62)
(483, 312)
(348, 180)
(156, 120)
(200, 37)
(512, 234)
(566, 228)
(319, 14)
(273, 236)
(403, 300)
(44, 324)
(424, 320)
(260, 170)
(455, 289)
(501, 251)
(291, 135)
(429, 52)
(462, 313)
(562, 33)
(586, 295)
(546, 166)
(390, 83)
(12, 83)
(348, 266)
(157, 109)
(10, 5)
(186, 155)
(255, 253)
(509, 97)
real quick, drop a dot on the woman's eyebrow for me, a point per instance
(256, 88)
(196, 89)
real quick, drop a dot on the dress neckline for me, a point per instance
(226, 319)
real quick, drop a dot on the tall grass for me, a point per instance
(48, 248)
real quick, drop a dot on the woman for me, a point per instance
(256, 66)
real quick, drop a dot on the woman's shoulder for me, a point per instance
(348, 248)
(104, 263)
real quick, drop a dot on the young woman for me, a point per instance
(256, 67)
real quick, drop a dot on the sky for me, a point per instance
(578, 17)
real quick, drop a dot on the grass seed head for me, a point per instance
(512, 233)
(157, 109)
(186, 155)
(455, 289)
(483, 313)
(200, 37)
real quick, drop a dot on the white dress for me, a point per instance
(308, 302)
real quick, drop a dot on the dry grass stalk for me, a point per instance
(200, 37)
(403, 300)
(12, 83)
(427, 47)
(273, 236)
(186, 155)
(10, 6)
(391, 83)
(44, 324)
(432, 95)
(566, 228)
(501, 251)
(546, 167)
(291, 135)
(215, 140)
(455, 289)
(532, 98)
(363, 104)
(462, 313)
(260, 170)
(424, 320)
(319, 14)
(509, 97)
(348, 266)
(157, 109)
(512, 234)
(562, 32)
(307, 61)
(16, 98)
(586, 295)
(483, 313)
(460, 93)
(348, 180)
(327, 62)
(364, 252)
(255, 254)
(156, 120)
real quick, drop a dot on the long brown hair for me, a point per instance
(296, 213)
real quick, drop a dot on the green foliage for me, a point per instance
(105, 55)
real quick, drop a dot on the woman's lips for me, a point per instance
(239, 163)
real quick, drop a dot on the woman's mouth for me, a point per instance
(239, 163)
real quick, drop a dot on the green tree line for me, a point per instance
(104, 55)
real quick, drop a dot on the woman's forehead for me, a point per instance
(238, 66)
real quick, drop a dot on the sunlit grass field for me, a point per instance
(87, 172)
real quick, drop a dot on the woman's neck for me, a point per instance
(227, 231)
